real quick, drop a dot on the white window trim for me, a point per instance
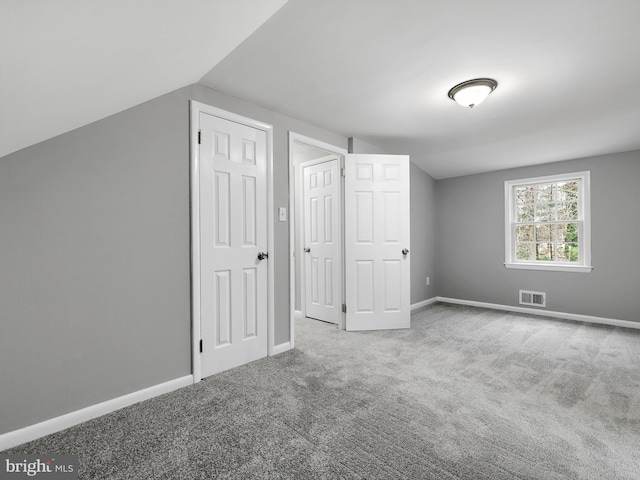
(584, 199)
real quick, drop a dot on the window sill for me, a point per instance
(550, 268)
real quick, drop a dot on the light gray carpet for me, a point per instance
(465, 394)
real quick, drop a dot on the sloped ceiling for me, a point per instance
(380, 70)
(66, 63)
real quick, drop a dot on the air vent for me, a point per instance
(535, 299)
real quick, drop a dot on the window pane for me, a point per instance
(545, 213)
(544, 193)
(524, 194)
(544, 251)
(567, 191)
(561, 252)
(567, 211)
(525, 251)
(568, 232)
(524, 213)
(524, 233)
(544, 233)
(567, 252)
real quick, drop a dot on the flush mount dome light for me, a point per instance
(472, 92)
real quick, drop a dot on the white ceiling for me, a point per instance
(380, 70)
(303, 153)
(66, 63)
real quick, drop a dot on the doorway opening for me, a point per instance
(316, 237)
(359, 265)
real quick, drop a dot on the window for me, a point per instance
(547, 223)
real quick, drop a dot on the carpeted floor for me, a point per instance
(465, 394)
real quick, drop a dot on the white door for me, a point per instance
(377, 266)
(321, 241)
(233, 234)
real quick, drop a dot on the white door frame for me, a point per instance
(330, 149)
(195, 109)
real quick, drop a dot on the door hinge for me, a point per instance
(344, 308)
(200, 345)
(199, 137)
(342, 172)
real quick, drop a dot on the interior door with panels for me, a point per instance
(377, 234)
(233, 243)
(322, 245)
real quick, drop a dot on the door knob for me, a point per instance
(263, 255)
(307, 249)
(405, 251)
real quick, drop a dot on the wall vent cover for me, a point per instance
(535, 299)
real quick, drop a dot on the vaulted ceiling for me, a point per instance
(378, 70)
(67, 63)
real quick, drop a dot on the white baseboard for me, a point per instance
(544, 313)
(283, 347)
(423, 303)
(297, 314)
(53, 425)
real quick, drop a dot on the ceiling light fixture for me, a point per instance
(472, 92)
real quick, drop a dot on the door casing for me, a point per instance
(195, 109)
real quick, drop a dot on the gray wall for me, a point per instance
(470, 241)
(94, 264)
(423, 235)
